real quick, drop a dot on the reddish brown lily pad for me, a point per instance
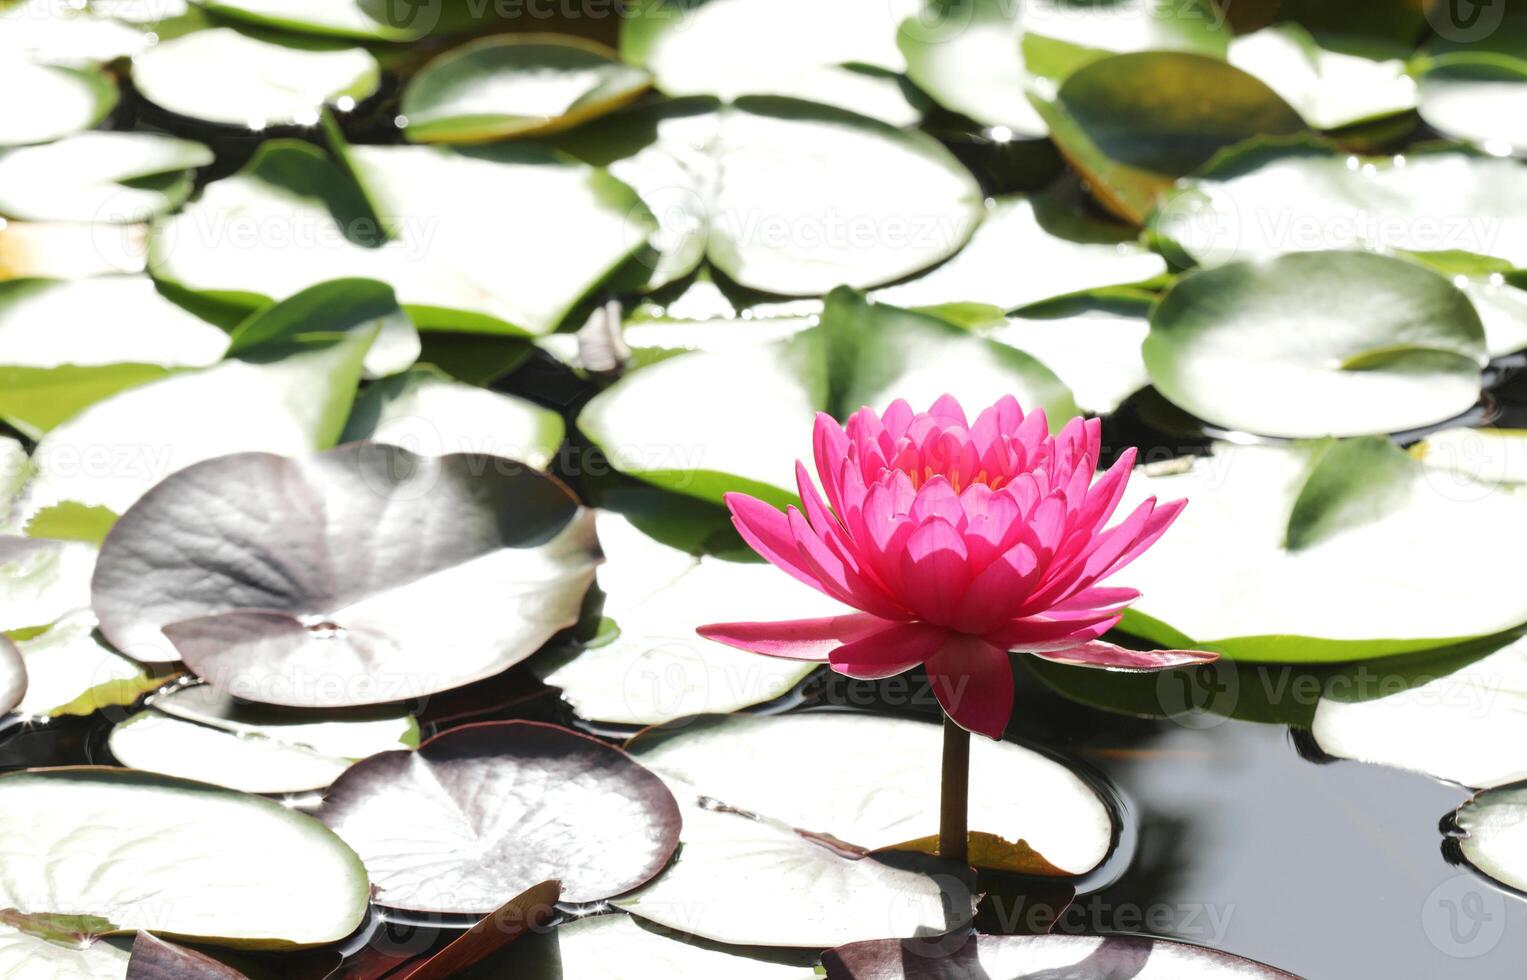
(155, 959)
(479, 814)
(976, 957)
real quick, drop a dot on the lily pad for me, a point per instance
(24, 955)
(842, 55)
(1317, 343)
(1273, 199)
(363, 20)
(1329, 88)
(65, 250)
(204, 734)
(1133, 123)
(597, 947)
(419, 574)
(71, 672)
(1100, 957)
(466, 256)
(56, 33)
(1063, 253)
(1493, 828)
(427, 413)
(146, 851)
(1460, 726)
(42, 581)
(862, 354)
(657, 668)
(224, 76)
(499, 87)
(1093, 348)
(154, 959)
(286, 387)
(67, 344)
(99, 177)
(1472, 100)
(1051, 821)
(59, 100)
(478, 814)
(1374, 573)
(1470, 457)
(13, 676)
(784, 196)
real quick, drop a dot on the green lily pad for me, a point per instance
(71, 672)
(1329, 88)
(202, 733)
(54, 33)
(657, 669)
(773, 865)
(1474, 99)
(842, 55)
(286, 387)
(13, 676)
(466, 256)
(499, 87)
(224, 76)
(59, 100)
(1375, 573)
(1273, 199)
(479, 814)
(862, 354)
(1317, 343)
(1136, 957)
(1493, 829)
(1094, 349)
(98, 177)
(596, 947)
(784, 196)
(1064, 252)
(1469, 457)
(424, 411)
(297, 885)
(65, 344)
(1133, 123)
(24, 955)
(467, 565)
(42, 581)
(67, 250)
(365, 20)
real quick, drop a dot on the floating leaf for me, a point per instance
(427, 413)
(1272, 199)
(22, 955)
(417, 574)
(66, 344)
(59, 100)
(657, 668)
(1064, 253)
(1462, 725)
(149, 851)
(286, 387)
(1093, 348)
(842, 55)
(42, 581)
(479, 814)
(1474, 100)
(1098, 957)
(224, 76)
(1493, 829)
(154, 959)
(1329, 88)
(65, 34)
(466, 255)
(1132, 123)
(71, 672)
(64, 250)
(13, 676)
(527, 912)
(597, 947)
(203, 734)
(785, 196)
(99, 177)
(1475, 456)
(504, 86)
(1382, 580)
(1317, 343)
(359, 19)
(862, 354)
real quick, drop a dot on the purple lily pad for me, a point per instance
(155, 959)
(479, 814)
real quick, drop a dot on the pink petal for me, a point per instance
(996, 591)
(823, 522)
(948, 409)
(838, 572)
(1097, 653)
(933, 571)
(1049, 634)
(767, 531)
(937, 498)
(796, 639)
(973, 681)
(830, 448)
(898, 415)
(890, 651)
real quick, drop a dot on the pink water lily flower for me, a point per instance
(957, 543)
